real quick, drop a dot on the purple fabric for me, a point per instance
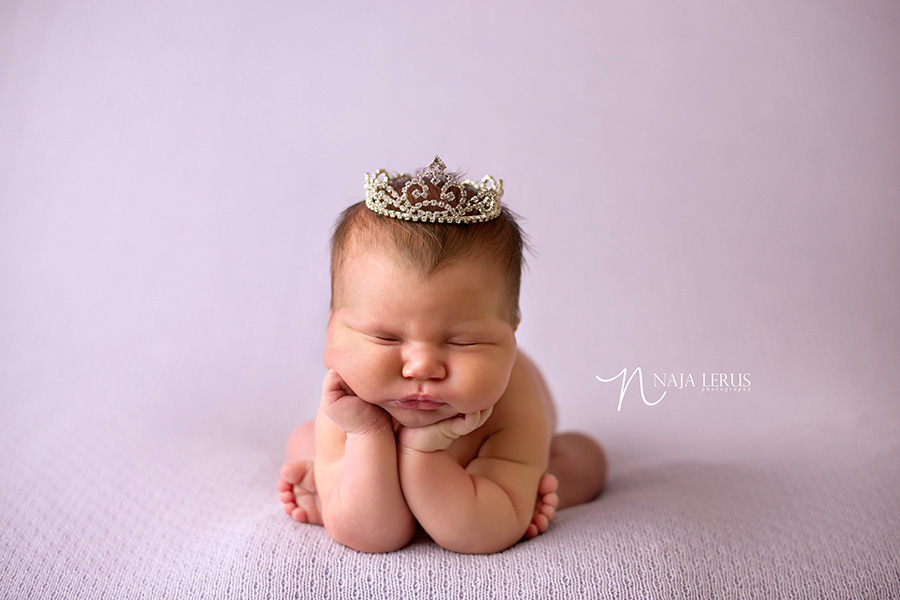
(711, 194)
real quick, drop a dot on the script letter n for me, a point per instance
(626, 382)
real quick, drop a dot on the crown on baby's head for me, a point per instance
(433, 196)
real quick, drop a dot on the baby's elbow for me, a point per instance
(370, 541)
(477, 544)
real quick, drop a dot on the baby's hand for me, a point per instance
(440, 435)
(353, 415)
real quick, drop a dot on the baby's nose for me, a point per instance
(423, 362)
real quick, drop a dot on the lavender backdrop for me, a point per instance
(709, 187)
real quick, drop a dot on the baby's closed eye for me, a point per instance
(465, 343)
(384, 339)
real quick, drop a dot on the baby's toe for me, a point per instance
(548, 511)
(548, 484)
(551, 499)
(294, 472)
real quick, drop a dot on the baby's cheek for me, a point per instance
(342, 358)
(500, 375)
(363, 371)
(485, 387)
(337, 357)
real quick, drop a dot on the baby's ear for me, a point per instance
(516, 324)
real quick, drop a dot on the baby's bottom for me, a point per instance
(576, 460)
(579, 465)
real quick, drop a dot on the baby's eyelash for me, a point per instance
(381, 338)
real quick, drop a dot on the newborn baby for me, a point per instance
(430, 415)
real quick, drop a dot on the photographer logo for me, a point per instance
(665, 382)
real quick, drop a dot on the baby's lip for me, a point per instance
(418, 402)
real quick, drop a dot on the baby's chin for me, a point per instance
(419, 418)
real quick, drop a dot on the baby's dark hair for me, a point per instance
(432, 246)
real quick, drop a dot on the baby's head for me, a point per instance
(423, 314)
(428, 246)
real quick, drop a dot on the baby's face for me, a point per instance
(423, 347)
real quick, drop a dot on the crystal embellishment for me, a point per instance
(459, 201)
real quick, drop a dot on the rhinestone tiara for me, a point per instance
(459, 201)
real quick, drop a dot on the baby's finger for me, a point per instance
(470, 422)
(485, 415)
(333, 387)
(332, 381)
(475, 420)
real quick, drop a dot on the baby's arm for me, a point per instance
(487, 506)
(483, 508)
(356, 472)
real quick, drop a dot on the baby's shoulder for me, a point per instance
(524, 415)
(526, 392)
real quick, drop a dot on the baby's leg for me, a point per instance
(579, 464)
(298, 484)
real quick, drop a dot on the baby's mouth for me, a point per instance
(418, 403)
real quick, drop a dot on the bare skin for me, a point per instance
(431, 417)
(301, 502)
(575, 474)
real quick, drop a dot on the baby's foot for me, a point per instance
(298, 492)
(545, 507)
